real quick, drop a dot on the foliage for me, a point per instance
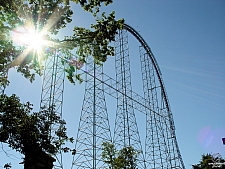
(48, 18)
(124, 158)
(29, 132)
(207, 159)
(22, 129)
(34, 14)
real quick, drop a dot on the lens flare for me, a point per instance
(28, 37)
(34, 40)
(205, 136)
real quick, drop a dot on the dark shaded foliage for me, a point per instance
(207, 162)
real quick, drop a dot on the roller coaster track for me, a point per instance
(147, 48)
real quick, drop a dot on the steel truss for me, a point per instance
(126, 130)
(94, 126)
(160, 148)
(52, 92)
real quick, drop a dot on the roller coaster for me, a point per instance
(159, 149)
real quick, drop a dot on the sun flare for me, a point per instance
(29, 38)
(34, 40)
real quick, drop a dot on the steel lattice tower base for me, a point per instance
(94, 125)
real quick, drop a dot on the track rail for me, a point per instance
(147, 48)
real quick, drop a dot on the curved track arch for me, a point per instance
(148, 50)
(160, 148)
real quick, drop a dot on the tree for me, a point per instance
(28, 132)
(22, 129)
(26, 14)
(123, 159)
(47, 18)
(210, 161)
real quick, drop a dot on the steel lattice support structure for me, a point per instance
(53, 83)
(161, 148)
(52, 91)
(94, 126)
(160, 145)
(126, 130)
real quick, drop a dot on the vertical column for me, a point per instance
(161, 150)
(52, 90)
(94, 126)
(126, 130)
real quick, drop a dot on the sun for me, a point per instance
(30, 38)
(34, 40)
(34, 43)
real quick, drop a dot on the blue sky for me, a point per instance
(187, 39)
